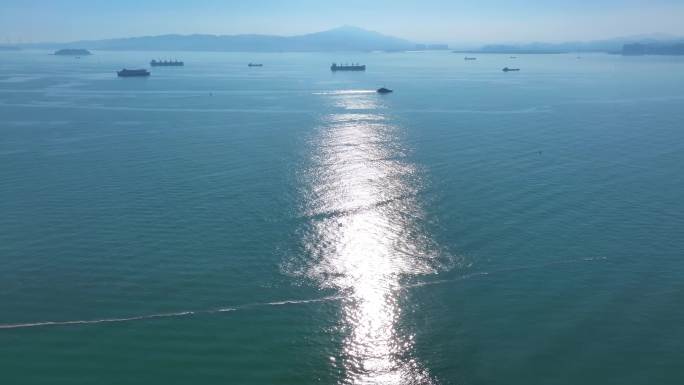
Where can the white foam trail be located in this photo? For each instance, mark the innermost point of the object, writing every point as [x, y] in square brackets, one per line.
[443, 281]
[299, 302]
[508, 270]
[345, 92]
[98, 321]
[277, 303]
[166, 315]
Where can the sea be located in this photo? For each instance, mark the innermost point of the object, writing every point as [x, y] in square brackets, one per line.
[285, 224]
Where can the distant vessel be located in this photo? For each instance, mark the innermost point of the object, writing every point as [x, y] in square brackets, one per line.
[166, 63]
[506, 69]
[255, 65]
[72, 52]
[347, 67]
[384, 90]
[469, 58]
[126, 73]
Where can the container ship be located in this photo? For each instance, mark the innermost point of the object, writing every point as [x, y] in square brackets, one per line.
[166, 63]
[347, 67]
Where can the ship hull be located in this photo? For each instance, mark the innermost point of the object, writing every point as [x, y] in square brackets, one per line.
[348, 69]
[355, 68]
[132, 73]
[174, 64]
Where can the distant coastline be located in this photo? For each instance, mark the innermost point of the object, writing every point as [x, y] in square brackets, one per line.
[630, 49]
[639, 49]
[510, 51]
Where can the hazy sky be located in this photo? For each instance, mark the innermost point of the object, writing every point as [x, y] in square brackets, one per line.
[424, 20]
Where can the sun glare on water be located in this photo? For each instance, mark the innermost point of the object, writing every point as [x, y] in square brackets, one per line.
[364, 235]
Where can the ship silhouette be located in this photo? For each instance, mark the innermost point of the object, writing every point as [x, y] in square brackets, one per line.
[126, 73]
[347, 67]
[166, 63]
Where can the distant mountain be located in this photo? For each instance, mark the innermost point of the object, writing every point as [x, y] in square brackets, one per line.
[339, 39]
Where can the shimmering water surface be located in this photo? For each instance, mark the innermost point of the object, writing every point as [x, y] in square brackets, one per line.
[219, 224]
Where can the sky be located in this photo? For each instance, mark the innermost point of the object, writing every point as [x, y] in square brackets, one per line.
[432, 21]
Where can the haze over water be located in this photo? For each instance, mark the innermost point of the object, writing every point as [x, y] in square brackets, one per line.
[223, 224]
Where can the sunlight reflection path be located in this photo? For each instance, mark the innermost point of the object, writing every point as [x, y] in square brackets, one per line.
[364, 235]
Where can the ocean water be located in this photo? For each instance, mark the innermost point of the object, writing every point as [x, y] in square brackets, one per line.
[219, 224]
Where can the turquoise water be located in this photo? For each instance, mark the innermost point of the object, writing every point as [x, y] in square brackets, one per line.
[218, 224]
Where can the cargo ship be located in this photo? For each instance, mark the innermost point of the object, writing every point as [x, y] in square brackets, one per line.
[166, 63]
[126, 73]
[72, 52]
[347, 67]
[506, 69]
[255, 65]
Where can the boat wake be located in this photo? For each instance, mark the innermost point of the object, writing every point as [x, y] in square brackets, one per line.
[188, 313]
[105, 320]
[345, 92]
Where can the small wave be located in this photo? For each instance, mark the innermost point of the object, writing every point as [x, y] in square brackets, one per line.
[61, 105]
[328, 214]
[18, 79]
[656, 99]
[530, 110]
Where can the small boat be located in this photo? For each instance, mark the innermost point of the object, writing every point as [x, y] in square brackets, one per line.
[506, 69]
[255, 65]
[126, 73]
[384, 90]
[469, 58]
